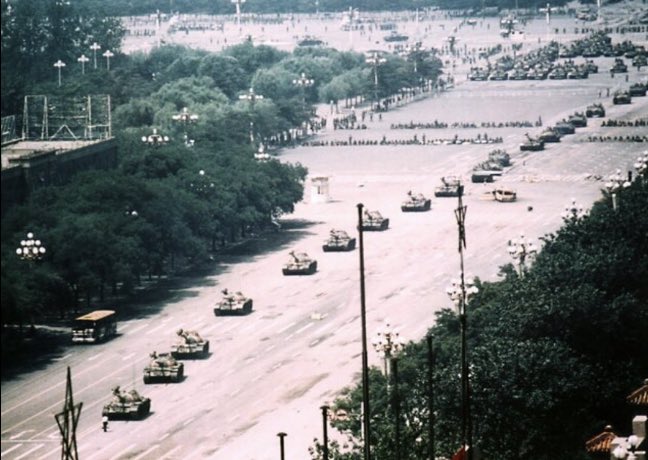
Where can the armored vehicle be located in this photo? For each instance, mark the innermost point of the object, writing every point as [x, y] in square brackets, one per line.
[638, 90]
[532, 144]
[163, 367]
[395, 37]
[189, 344]
[517, 74]
[549, 135]
[451, 186]
[498, 74]
[579, 120]
[481, 176]
[477, 74]
[126, 406]
[233, 304]
[595, 110]
[500, 157]
[565, 127]
[591, 67]
[373, 221]
[339, 240]
[299, 264]
[619, 66]
[558, 74]
[621, 97]
[415, 202]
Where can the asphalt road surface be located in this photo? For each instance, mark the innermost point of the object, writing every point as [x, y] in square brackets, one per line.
[272, 370]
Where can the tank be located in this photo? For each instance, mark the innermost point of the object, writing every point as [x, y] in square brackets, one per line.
[500, 157]
[450, 186]
[549, 135]
[621, 97]
[619, 66]
[299, 264]
[339, 240]
[163, 367]
[565, 127]
[595, 110]
[373, 221]
[531, 144]
[578, 120]
[233, 304]
[189, 344]
[479, 177]
[638, 90]
[126, 405]
[416, 202]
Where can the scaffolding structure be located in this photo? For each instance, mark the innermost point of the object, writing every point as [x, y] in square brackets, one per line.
[66, 118]
[8, 129]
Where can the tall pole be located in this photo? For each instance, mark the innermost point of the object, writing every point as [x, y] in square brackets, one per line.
[67, 422]
[466, 431]
[396, 402]
[325, 452]
[430, 347]
[282, 452]
[365, 365]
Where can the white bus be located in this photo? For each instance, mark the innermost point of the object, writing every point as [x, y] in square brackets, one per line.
[94, 327]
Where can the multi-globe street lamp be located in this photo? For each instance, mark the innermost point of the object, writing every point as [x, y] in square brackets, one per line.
[573, 211]
[155, 139]
[251, 97]
[302, 83]
[641, 165]
[83, 59]
[615, 183]
[95, 47]
[186, 118]
[59, 65]
[238, 4]
[375, 59]
[108, 54]
[521, 250]
[627, 450]
[31, 249]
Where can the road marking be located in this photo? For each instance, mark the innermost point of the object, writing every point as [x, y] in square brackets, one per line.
[287, 327]
[10, 449]
[62, 357]
[123, 452]
[92, 358]
[168, 454]
[235, 392]
[325, 327]
[128, 356]
[17, 435]
[146, 452]
[29, 451]
[138, 328]
[166, 435]
[304, 328]
[188, 421]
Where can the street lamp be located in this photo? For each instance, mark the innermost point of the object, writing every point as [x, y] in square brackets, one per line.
[387, 343]
[261, 154]
[521, 250]
[375, 59]
[573, 211]
[641, 165]
[95, 47]
[83, 59]
[627, 451]
[616, 182]
[108, 54]
[59, 64]
[251, 96]
[325, 453]
[155, 139]
[31, 249]
[282, 435]
[302, 82]
[238, 4]
[186, 118]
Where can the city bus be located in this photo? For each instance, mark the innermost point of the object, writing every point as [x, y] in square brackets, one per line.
[94, 327]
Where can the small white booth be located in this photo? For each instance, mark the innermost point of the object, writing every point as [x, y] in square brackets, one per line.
[320, 190]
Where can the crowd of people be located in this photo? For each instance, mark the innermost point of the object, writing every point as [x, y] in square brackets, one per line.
[636, 138]
[436, 124]
[639, 122]
[414, 140]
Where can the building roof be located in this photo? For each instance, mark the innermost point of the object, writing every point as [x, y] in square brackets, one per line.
[639, 397]
[602, 442]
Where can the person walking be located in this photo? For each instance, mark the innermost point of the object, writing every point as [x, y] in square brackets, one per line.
[104, 423]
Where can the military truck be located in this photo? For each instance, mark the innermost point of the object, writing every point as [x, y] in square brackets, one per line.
[339, 241]
[163, 367]
[416, 202]
[373, 221]
[595, 110]
[126, 405]
[450, 186]
[233, 304]
[299, 264]
[189, 344]
[532, 144]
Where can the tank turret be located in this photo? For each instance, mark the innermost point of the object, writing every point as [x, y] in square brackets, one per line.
[339, 240]
[126, 405]
[189, 344]
[416, 202]
[373, 221]
[299, 264]
[233, 303]
[163, 367]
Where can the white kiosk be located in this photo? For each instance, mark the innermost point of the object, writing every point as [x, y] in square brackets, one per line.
[320, 189]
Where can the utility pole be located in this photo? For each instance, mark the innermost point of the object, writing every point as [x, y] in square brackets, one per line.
[67, 422]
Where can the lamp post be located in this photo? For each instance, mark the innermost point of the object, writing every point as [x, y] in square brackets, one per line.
[108, 54]
[325, 453]
[366, 425]
[573, 211]
[83, 59]
[521, 250]
[282, 451]
[302, 83]
[59, 65]
[430, 349]
[238, 4]
[641, 165]
[251, 97]
[375, 60]
[186, 118]
[155, 139]
[31, 249]
[615, 183]
[459, 293]
[95, 47]
[627, 451]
